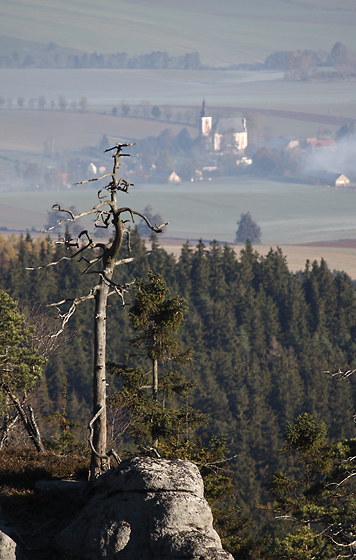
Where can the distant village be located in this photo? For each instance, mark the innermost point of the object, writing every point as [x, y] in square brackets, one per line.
[222, 148]
[217, 147]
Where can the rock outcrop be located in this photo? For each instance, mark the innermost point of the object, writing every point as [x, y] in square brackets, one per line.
[9, 549]
[146, 509]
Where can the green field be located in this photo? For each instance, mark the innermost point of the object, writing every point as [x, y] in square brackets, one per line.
[287, 213]
[223, 33]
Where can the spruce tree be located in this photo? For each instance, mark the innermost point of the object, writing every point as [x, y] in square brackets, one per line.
[155, 319]
[20, 370]
[318, 499]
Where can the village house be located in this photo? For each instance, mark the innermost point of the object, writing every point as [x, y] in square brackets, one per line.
[317, 144]
[174, 178]
[332, 179]
[342, 181]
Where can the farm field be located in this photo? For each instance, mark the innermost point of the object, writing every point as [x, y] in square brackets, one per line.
[107, 88]
[287, 213]
[26, 131]
[250, 30]
[338, 256]
[294, 217]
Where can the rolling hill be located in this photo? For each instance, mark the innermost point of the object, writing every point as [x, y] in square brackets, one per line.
[223, 33]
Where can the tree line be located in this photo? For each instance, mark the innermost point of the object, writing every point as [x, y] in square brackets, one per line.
[298, 64]
[340, 62]
[56, 57]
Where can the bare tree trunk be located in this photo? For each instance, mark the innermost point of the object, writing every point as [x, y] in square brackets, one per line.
[8, 424]
[107, 213]
[155, 380]
[99, 460]
[155, 392]
[29, 422]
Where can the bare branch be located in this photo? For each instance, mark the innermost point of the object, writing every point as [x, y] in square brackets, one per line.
[74, 218]
[340, 374]
[90, 244]
[124, 261]
[102, 261]
[54, 263]
[119, 147]
[338, 484]
[155, 228]
[95, 179]
[66, 316]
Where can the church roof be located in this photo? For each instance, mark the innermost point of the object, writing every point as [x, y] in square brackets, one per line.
[224, 125]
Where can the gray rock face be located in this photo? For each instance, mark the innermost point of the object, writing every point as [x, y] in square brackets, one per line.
[9, 549]
[147, 509]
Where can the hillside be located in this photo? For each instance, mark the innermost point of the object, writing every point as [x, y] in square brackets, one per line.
[261, 340]
[250, 31]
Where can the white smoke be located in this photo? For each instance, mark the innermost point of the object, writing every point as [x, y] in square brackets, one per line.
[339, 158]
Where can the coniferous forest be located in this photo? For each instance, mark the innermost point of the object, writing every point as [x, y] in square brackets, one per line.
[262, 339]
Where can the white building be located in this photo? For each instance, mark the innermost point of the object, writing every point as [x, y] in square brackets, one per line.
[235, 126]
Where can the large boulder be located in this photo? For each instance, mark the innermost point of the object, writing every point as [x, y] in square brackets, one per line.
[9, 549]
[146, 509]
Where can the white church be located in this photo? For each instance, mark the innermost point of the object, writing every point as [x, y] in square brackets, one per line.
[213, 135]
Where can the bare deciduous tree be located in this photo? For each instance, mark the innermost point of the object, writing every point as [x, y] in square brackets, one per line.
[100, 259]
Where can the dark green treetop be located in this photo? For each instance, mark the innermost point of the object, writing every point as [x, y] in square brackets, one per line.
[21, 365]
[318, 501]
[247, 229]
[20, 368]
[155, 318]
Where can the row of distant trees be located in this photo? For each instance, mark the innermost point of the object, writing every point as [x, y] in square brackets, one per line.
[41, 103]
[339, 62]
[146, 110]
[56, 57]
[143, 109]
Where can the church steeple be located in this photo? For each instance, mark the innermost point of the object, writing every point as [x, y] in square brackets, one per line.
[205, 123]
[203, 110]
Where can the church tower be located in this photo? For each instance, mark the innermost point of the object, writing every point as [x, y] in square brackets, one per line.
[205, 123]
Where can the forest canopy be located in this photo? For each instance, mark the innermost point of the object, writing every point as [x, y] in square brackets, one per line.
[261, 336]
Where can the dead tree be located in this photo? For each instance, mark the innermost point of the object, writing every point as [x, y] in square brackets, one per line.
[100, 259]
